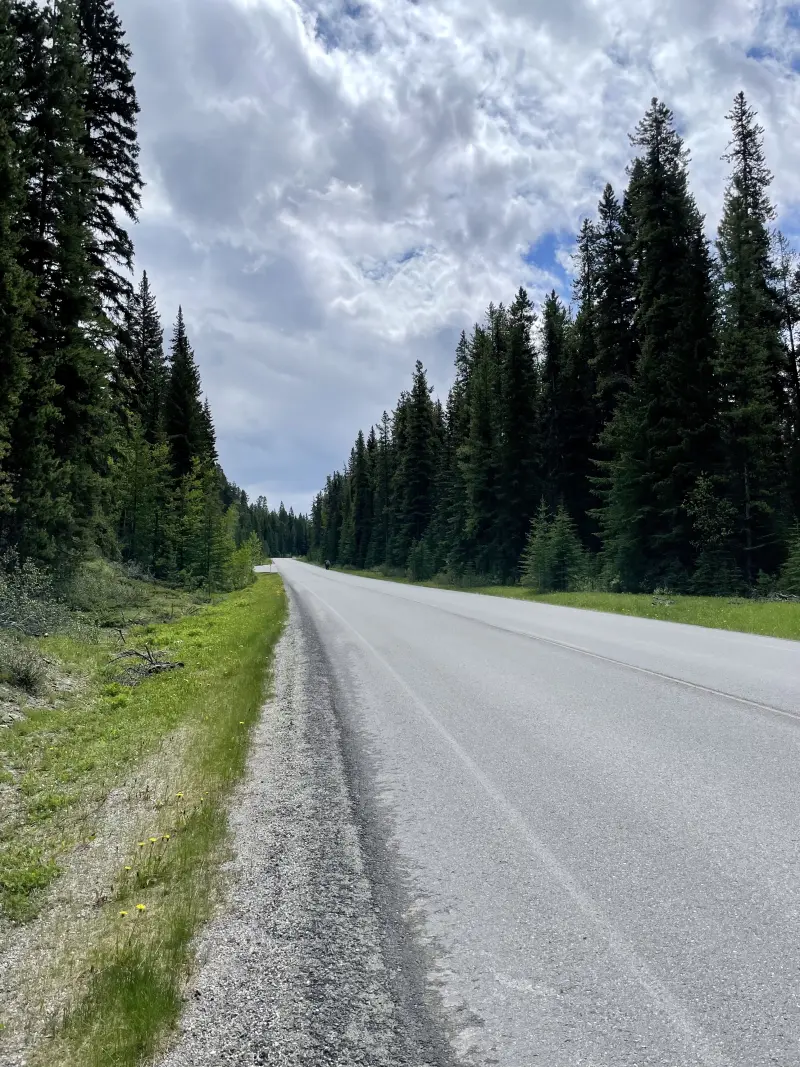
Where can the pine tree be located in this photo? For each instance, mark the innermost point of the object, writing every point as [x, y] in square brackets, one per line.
[381, 494]
[480, 455]
[416, 466]
[535, 563]
[109, 143]
[362, 502]
[555, 342]
[581, 417]
[518, 482]
[614, 284]
[140, 370]
[16, 290]
[663, 433]
[790, 574]
[566, 557]
[184, 421]
[208, 434]
[61, 432]
[750, 362]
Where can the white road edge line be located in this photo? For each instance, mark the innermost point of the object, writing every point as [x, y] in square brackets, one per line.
[672, 1007]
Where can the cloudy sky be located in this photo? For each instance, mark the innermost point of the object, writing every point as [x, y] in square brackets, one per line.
[335, 188]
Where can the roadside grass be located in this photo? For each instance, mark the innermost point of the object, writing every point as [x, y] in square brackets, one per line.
[65, 761]
[767, 618]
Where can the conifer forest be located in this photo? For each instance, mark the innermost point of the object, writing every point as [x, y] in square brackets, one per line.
[107, 445]
[645, 436]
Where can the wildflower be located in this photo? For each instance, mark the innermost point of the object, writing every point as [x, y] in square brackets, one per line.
[141, 907]
[165, 837]
[127, 868]
[141, 844]
[179, 796]
[241, 722]
[153, 840]
[123, 914]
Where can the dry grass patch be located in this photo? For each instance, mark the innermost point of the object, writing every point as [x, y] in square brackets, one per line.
[151, 844]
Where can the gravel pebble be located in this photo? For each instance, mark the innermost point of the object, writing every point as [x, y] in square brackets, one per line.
[305, 963]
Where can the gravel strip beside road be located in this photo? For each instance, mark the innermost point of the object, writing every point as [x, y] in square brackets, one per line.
[305, 964]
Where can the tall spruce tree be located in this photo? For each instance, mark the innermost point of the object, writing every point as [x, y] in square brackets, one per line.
[663, 435]
[555, 342]
[614, 283]
[184, 420]
[110, 144]
[59, 449]
[362, 501]
[480, 455]
[140, 371]
[416, 466]
[582, 418]
[16, 290]
[518, 395]
[751, 356]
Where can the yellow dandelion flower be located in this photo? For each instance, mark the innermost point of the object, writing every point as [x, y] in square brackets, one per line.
[179, 796]
[123, 914]
[153, 840]
[141, 844]
[165, 837]
[127, 868]
[141, 907]
[241, 722]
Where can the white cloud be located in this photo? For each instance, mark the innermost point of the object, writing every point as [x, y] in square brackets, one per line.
[336, 190]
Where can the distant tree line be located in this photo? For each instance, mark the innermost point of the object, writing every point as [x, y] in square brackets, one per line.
[106, 443]
[646, 436]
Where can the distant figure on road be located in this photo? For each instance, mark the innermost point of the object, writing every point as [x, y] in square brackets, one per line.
[327, 564]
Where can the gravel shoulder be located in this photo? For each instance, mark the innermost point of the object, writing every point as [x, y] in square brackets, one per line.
[316, 956]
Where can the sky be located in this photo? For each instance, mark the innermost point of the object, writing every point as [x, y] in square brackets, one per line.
[337, 189]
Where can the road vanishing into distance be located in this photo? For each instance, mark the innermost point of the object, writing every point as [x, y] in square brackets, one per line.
[583, 828]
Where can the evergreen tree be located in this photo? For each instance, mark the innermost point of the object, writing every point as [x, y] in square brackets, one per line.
[535, 562]
[60, 436]
[16, 291]
[361, 500]
[109, 143]
[581, 415]
[566, 557]
[184, 420]
[518, 481]
[416, 466]
[208, 437]
[790, 574]
[750, 349]
[555, 344]
[140, 372]
[663, 434]
[381, 494]
[614, 282]
[480, 455]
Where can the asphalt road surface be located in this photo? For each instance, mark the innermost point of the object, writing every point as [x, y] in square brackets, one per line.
[593, 820]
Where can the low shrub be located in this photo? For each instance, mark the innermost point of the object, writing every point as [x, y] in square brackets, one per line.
[22, 666]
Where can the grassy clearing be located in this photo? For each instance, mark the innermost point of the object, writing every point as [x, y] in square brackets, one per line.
[770, 619]
[65, 761]
[67, 749]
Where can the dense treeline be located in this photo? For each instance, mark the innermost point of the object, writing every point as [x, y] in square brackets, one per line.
[105, 440]
[648, 435]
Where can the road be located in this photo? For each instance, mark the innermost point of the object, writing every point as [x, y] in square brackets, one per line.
[594, 820]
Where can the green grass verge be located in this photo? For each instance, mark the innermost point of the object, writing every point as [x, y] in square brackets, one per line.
[130, 993]
[770, 619]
